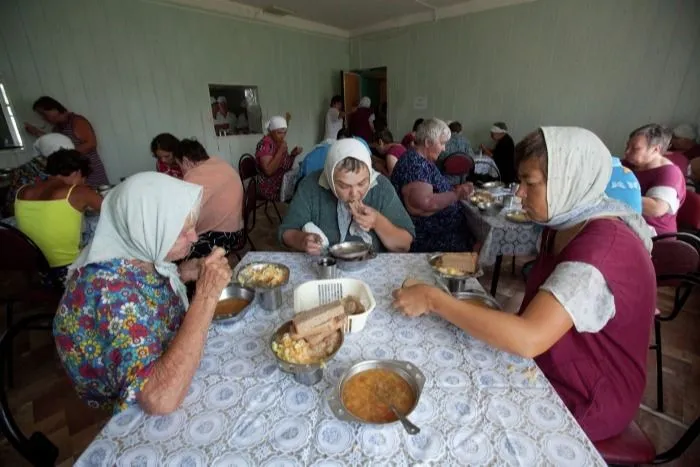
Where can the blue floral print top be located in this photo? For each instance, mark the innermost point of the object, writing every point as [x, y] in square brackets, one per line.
[114, 321]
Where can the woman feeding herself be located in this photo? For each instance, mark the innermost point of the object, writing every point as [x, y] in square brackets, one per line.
[347, 200]
[591, 295]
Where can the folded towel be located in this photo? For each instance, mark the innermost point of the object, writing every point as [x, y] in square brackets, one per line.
[310, 227]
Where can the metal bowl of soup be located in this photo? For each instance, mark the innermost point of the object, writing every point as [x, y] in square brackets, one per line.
[354, 398]
[234, 304]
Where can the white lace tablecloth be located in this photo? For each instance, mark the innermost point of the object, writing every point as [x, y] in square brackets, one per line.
[485, 165]
[479, 406]
[89, 226]
[500, 236]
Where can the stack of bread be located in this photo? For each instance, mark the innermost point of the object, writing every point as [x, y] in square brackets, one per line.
[458, 264]
[319, 326]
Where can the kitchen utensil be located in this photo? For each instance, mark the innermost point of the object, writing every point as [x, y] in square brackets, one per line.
[385, 397]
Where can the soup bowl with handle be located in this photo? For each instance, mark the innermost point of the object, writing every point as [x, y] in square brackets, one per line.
[406, 370]
[234, 290]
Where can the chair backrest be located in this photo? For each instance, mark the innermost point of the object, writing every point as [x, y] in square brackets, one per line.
[18, 252]
[247, 167]
[689, 212]
[675, 256]
[458, 164]
[249, 202]
[679, 159]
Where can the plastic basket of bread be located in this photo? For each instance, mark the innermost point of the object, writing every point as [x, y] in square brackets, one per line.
[352, 296]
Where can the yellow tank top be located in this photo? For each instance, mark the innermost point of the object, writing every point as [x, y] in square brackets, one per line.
[54, 225]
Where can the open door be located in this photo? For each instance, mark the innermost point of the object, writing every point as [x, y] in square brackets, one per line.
[351, 83]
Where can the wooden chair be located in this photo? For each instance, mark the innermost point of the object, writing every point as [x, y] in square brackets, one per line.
[248, 170]
[249, 205]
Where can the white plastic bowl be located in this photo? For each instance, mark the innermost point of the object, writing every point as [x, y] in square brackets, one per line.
[316, 293]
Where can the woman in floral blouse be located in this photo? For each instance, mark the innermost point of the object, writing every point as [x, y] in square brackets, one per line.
[274, 159]
[121, 329]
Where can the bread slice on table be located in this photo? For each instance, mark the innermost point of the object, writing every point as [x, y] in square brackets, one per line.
[307, 321]
[466, 262]
[329, 329]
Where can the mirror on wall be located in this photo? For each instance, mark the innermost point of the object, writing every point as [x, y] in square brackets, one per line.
[235, 109]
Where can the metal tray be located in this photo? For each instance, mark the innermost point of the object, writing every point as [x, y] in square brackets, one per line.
[349, 250]
[407, 370]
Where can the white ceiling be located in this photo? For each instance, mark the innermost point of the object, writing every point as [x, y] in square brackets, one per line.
[352, 14]
[345, 18]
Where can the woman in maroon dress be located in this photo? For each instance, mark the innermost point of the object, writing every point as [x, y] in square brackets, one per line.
[591, 295]
[77, 128]
[361, 121]
[661, 181]
[274, 159]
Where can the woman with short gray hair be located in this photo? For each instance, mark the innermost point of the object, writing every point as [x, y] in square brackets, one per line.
[661, 181]
[429, 198]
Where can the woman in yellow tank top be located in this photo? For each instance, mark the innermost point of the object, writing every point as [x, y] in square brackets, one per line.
[50, 212]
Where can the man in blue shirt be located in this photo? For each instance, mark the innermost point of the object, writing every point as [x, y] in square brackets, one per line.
[623, 186]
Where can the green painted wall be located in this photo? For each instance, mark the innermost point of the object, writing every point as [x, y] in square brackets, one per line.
[608, 65]
[136, 68]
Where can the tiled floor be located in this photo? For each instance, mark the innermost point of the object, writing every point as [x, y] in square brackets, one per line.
[43, 400]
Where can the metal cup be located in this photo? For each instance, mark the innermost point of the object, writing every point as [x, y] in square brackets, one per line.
[327, 268]
[271, 299]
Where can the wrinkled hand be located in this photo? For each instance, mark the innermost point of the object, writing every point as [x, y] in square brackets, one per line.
[464, 190]
[413, 301]
[365, 216]
[296, 151]
[283, 147]
[214, 274]
[189, 270]
[312, 244]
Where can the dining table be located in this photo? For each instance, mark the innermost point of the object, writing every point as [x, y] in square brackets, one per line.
[500, 237]
[479, 405]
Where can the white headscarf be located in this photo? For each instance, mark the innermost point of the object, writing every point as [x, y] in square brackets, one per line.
[686, 131]
[140, 219]
[365, 102]
[51, 142]
[339, 150]
[276, 123]
[579, 166]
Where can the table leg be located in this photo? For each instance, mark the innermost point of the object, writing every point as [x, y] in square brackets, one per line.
[496, 274]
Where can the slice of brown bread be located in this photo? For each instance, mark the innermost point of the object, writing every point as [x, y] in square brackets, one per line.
[306, 321]
[316, 339]
[465, 262]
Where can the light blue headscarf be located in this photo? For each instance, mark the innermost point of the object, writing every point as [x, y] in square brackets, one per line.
[578, 170]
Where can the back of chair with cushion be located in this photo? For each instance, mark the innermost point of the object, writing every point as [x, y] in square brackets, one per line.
[458, 164]
[689, 212]
[247, 167]
[676, 259]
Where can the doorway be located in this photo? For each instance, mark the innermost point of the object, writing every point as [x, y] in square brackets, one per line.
[369, 82]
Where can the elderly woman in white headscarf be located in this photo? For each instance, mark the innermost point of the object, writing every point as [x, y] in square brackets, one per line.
[591, 295]
[125, 330]
[361, 121]
[273, 158]
[347, 200]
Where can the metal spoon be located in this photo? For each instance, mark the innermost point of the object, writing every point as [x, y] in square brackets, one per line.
[410, 428]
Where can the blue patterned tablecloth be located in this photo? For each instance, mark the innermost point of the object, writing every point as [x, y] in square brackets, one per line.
[480, 406]
[499, 236]
[89, 225]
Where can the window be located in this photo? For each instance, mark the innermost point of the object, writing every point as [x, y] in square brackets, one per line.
[235, 110]
[10, 137]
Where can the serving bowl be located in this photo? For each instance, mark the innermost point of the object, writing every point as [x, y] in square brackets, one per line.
[490, 208]
[270, 295]
[495, 185]
[234, 290]
[406, 370]
[307, 374]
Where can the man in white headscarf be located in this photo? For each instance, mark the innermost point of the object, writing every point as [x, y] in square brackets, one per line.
[348, 200]
[125, 330]
[591, 295]
[224, 119]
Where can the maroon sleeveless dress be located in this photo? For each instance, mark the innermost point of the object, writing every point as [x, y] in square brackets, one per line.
[358, 124]
[98, 176]
[601, 376]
